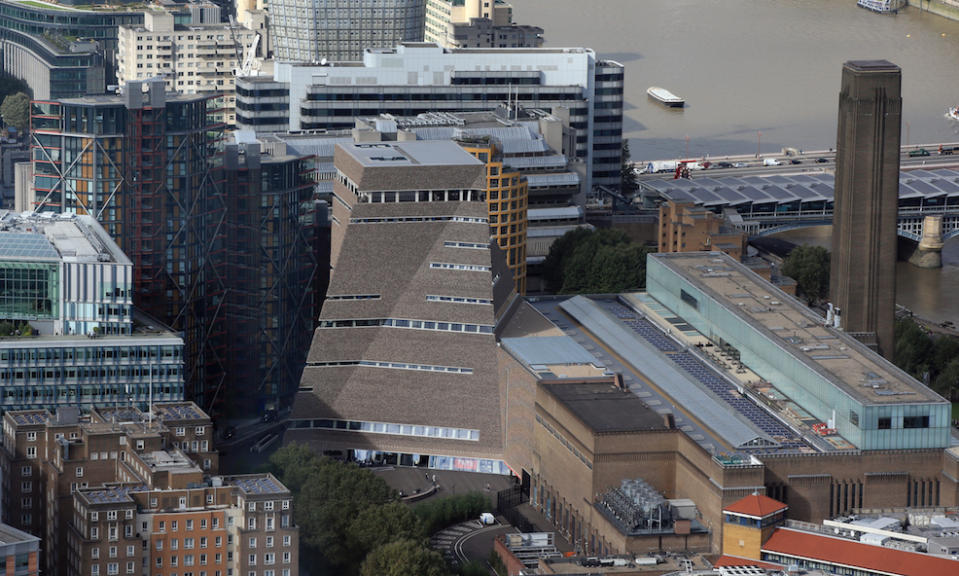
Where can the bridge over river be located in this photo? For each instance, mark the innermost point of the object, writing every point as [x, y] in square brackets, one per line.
[761, 205]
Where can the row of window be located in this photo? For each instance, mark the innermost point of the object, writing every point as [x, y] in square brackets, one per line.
[476, 245]
[453, 266]
[422, 196]
[403, 219]
[403, 323]
[389, 428]
[393, 365]
[353, 297]
[458, 300]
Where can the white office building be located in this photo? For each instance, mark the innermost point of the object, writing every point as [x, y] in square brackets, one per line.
[417, 78]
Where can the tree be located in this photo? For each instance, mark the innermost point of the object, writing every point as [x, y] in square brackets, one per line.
[587, 261]
[379, 525]
[809, 267]
[332, 496]
[293, 464]
[15, 111]
[404, 558]
[946, 382]
[628, 184]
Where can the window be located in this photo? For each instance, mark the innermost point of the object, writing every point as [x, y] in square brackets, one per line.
[269, 541]
[31, 451]
[915, 422]
[80, 474]
[269, 558]
[189, 524]
[252, 559]
[251, 506]
[252, 542]
[31, 436]
[200, 430]
[180, 431]
[131, 551]
[287, 540]
[26, 471]
[111, 514]
[95, 553]
[251, 523]
[268, 505]
[885, 423]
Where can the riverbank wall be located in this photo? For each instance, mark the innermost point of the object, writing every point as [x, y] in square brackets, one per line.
[945, 8]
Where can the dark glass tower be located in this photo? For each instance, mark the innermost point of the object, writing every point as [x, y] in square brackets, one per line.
[863, 269]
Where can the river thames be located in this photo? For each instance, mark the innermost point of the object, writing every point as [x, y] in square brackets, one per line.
[772, 67]
[751, 66]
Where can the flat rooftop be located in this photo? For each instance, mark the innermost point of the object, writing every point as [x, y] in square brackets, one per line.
[32, 236]
[257, 484]
[413, 153]
[606, 408]
[835, 355]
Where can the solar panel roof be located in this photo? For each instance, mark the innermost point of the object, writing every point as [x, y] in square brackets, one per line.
[27, 246]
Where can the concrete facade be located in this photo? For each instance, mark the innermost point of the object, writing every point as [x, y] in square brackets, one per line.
[863, 265]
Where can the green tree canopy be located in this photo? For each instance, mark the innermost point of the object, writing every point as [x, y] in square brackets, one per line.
[379, 525]
[809, 267]
[404, 558]
[628, 183]
[586, 261]
[15, 111]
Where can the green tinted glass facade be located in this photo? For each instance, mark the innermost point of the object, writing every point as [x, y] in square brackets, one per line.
[29, 290]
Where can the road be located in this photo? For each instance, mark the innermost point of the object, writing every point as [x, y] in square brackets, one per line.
[808, 161]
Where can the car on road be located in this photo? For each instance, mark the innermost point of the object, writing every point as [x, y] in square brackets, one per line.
[724, 165]
[795, 161]
[740, 165]
[918, 152]
[822, 160]
[230, 432]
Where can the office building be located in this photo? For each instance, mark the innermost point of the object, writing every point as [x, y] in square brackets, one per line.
[222, 237]
[46, 37]
[476, 24]
[53, 67]
[20, 552]
[685, 227]
[863, 265]
[197, 57]
[413, 79]
[340, 30]
[403, 365]
[70, 334]
[154, 183]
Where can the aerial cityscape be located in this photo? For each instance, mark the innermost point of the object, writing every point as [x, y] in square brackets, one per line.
[479, 287]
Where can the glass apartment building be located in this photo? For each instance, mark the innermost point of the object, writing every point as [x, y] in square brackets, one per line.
[67, 332]
[314, 30]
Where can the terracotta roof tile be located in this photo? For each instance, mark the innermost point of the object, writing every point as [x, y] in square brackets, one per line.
[849, 553]
[756, 505]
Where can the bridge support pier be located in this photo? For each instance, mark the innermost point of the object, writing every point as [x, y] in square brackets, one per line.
[929, 252]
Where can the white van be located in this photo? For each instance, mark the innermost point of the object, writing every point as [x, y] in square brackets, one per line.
[771, 162]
